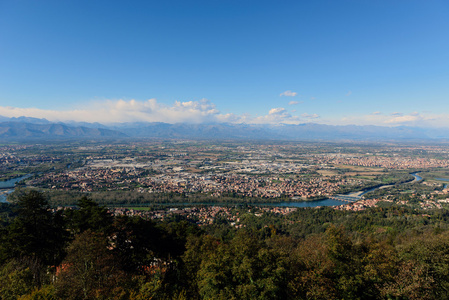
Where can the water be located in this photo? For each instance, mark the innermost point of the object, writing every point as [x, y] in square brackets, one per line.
[11, 182]
[325, 202]
[375, 188]
[7, 187]
[442, 179]
[4, 194]
[417, 177]
[330, 202]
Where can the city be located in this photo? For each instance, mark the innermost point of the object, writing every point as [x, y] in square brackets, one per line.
[214, 172]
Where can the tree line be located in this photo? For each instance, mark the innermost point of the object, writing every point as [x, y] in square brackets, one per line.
[319, 253]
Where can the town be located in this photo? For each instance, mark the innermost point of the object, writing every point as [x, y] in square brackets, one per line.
[263, 172]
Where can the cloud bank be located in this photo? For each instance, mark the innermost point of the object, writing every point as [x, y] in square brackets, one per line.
[151, 110]
[310, 116]
[204, 111]
[413, 119]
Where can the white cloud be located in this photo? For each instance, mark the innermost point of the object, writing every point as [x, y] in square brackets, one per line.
[276, 116]
[349, 93]
[310, 116]
[293, 102]
[403, 120]
[288, 94]
[204, 111]
[111, 111]
[395, 119]
[276, 111]
[119, 111]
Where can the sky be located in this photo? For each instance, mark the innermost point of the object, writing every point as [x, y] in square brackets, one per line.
[362, 62]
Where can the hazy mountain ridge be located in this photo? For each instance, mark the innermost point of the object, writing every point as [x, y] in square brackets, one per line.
[20, 130]
[24, 128]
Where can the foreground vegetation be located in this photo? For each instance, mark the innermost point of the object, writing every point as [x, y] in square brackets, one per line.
[382, 253]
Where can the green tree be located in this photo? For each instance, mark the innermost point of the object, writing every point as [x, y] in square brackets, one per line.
[311, 271]
[423, 269]
[136, 242]
[36, 236]
[89, 216]
[90, 271]
[16, 280]
[243, 269]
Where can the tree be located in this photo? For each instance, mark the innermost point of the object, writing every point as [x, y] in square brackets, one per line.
[136, 242]
[89, 216]
[243, 269]
[15, 280]
[36, 236]
[89, 270]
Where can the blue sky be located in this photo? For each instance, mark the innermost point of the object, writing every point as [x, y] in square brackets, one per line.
[332, 62]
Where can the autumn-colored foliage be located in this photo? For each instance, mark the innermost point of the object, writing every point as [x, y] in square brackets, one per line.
[85, 253]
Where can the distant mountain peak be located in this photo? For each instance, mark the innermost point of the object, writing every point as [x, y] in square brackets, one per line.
[24, 127]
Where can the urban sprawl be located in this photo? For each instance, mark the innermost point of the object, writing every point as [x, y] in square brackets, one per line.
[289, 171]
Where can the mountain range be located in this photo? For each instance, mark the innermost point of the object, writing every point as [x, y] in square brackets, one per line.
[25, 128]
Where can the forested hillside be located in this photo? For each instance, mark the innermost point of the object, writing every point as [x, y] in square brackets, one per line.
[86, 253]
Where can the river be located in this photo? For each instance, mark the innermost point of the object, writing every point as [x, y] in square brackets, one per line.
[7, 187]
[331, 202]
[442, 179]
[324, 202]
[361, 193]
